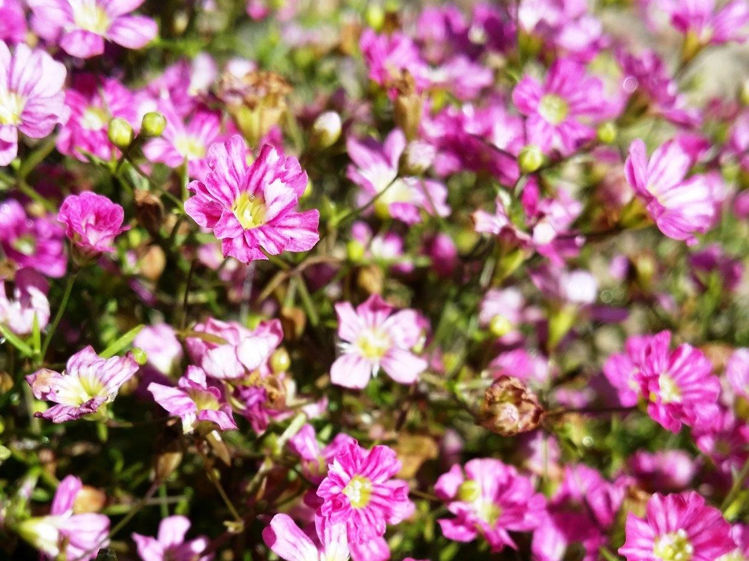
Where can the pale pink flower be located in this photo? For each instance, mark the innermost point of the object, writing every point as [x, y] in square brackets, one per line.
[387, 56]
[373, 337]
[92, 102]
[170, 544]
[161, 346]
[489, 499]
[677, 527]
[13, 28]
[28, 304]
[31, 96]
[62, 534]
[560, 111]
[360, 492]
[711, 26]
[680, 207]
[88, 382]
[252, 208]
[81, 26]
[737, 371]
[194, 401]
[663, 470]
[290, 543]
[92, 222]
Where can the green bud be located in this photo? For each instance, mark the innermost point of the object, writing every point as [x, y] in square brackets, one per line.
[139, 355]
[355, 251]
[607, 132]
[375, 16]
[153, 124]
[120, 133]
[469, 491]
[530, 159]
[744, 96]
[326, 130]
[499, 326]
[280, 361]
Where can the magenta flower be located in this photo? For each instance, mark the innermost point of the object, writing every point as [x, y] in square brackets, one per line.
[388, 55]
[360, 492]
[91, 222]
[287, 541]
[194, 401]
[88, 382]
[677, 527]
[708, 25]
[38, 243]
[29, 301]
[170, 544]
[252, 208]
[13, 28]
[63, 534]
[81, 26]
[556, 110]
[679, 207]
[374, 337]
[31, 96]
[490, 499]
[185, 141]
[375, 170]
[93, 102]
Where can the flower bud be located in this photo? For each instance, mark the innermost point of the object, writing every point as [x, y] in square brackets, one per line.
[744, 95]
[417, 157]
[374, 15]
[120, 133]
[499, 325]
[280, 361]
[149, 211]
[408, 106]
[326, 130]
[140, 356]
[153, 124]
[606, 132]
[509, 407]
[355, 251]
[530, 158]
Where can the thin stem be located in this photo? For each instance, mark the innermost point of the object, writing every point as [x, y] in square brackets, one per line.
[58, 316]
[736, 487]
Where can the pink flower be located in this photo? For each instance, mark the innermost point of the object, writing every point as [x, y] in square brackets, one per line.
[711, 26]
[88, 382]
[91, 222]
[679, 207]
[170, 544]
[31, 96]
[663, 470]
[80, 26]
[29, 302]
[93, 102]
[252, 208]
[194, 401]
[360, 492]
[63, 534]
[185, 141]
[13, 28]
[490, 499]
[740, 535]
[375, 170]
[737, 371]
[161, 345]
[287, 541]
[677, 527]
[373, 338]
[556, 110]
[388, 55]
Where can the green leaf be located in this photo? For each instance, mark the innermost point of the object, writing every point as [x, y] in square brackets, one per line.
[14, 340]
[121, 343]
[36, 335]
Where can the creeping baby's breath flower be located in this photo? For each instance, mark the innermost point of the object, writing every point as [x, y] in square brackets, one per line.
[91, 222]
[290, 543]
[170, 543]
[29, 301]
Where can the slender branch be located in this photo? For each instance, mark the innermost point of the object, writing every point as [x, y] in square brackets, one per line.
[58, 316]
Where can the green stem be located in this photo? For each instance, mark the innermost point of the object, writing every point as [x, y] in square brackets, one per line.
[58, 316]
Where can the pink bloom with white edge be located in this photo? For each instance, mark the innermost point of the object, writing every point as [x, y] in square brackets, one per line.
[489, 499]
[252, 208]
[81, 26]
[360, 492]
[737, 371]
[170, 543]
[194, 401]
[711, 26]
[556, 109]
[29, 301]
[185, 140]
[677, 527]
[92, 102]
[64, 534]
[373, 337]
[290, 543]
[680, 207]
[92, 222]
[88, 382]
[375, 170]
[31, 96]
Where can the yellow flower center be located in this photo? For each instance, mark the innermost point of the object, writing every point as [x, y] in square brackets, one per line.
[553, 109]
[373, 343]
[673, 546]
[670, 392]
[359, 491]
[94, 118]
[189, 147]
[11, 107]
[204, 400]
[77, 390]
[249, 210]
[90, 16]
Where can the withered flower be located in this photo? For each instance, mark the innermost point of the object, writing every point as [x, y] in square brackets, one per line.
[509, 407]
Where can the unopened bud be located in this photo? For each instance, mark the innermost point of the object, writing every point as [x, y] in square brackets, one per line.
[744, 96]
[139, 355]
[355, 251]
[326, 130]
[89, 499]
[509, 407]
[606, 132]
[153, 124]
[408, 106]
[168, 461]
[280, 361]
[530, 158]
[417, 157]
[374, 15]
[120, 133]
[499, 326]
[149, 211]
[293, 321]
